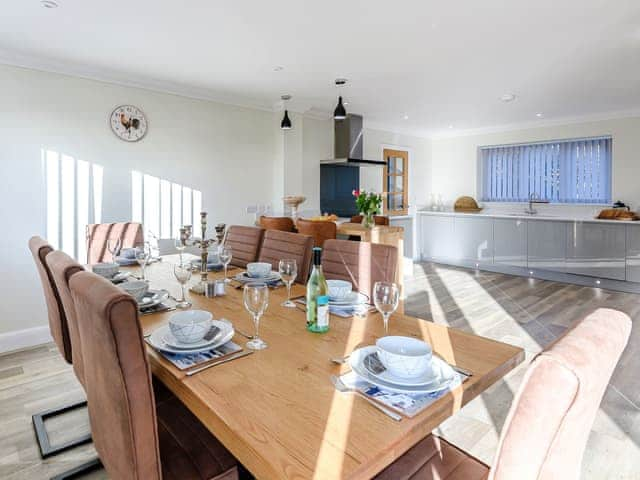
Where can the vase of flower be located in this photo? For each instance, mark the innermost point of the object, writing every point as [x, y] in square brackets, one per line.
[368, 204]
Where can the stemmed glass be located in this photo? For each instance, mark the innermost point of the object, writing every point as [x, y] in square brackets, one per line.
[113, 245]
[225, 255]
[143, 255]
[256, 301]
[385, 298]
[182, 271]
[288, 271]
[179, 246]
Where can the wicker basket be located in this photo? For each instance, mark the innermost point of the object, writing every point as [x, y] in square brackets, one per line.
[617, 214]
[466, 204]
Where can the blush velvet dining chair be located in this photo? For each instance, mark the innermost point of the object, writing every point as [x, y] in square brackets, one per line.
[136, 436]
[546, 430]
[129, 233]
[244, 243]
[361, 263]
[59, 328]
[280, 245]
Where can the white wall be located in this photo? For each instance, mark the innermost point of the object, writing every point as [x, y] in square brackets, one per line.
[229, 153]
[454, 160]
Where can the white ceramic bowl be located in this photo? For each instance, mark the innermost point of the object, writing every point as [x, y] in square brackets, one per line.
[258, 269]
[339, 289]
[106, 270]
[135, 288]
[190, 326]
[404, 357]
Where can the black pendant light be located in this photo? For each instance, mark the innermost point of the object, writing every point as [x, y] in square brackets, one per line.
[285, 124]
[340, 113]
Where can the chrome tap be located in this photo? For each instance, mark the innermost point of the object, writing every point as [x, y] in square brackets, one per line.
[533, 198]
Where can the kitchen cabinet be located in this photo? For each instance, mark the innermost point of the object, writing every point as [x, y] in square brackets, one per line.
[473, 240]
[633, 253]
[407, 224]
[596, 250]
[546, 245]
[510, 242]
[436, 237]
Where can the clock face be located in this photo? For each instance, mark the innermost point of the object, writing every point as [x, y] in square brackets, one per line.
[129, 123]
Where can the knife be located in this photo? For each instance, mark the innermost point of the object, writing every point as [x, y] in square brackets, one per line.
[219, 362]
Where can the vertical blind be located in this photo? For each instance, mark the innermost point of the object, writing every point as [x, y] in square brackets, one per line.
[561, 171]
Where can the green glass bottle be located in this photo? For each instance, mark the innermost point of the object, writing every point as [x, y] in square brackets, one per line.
[317, 297]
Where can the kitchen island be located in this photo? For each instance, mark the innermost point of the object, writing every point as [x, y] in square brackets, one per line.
[574, 249]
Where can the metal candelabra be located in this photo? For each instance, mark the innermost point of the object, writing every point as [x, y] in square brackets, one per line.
[204, 243]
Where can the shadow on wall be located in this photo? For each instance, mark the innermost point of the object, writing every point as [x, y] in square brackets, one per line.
[74, 199]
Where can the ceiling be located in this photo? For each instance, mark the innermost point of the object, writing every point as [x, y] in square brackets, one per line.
[442, 64]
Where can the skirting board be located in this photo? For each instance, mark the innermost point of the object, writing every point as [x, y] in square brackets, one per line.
[20, 339]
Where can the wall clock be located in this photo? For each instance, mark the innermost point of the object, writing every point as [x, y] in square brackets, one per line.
[128, 123]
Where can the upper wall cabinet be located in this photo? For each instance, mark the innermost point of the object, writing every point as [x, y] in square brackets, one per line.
[596, 249]
[510, 241]
[547, 242]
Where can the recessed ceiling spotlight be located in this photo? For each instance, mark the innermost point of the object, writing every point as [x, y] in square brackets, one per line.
[49, 4]
[508, 97]
[345, 103]
[277, 68]
[539, 114]
[406, 117]
[450, 126]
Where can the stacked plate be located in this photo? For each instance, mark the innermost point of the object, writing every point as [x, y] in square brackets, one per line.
[366, 363]
[244, 277]
[151, 298]
[162, 339]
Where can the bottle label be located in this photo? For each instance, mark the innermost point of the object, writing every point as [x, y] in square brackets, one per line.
[323, 312]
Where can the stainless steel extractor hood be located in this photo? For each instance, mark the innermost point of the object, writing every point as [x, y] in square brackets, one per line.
[347, 147]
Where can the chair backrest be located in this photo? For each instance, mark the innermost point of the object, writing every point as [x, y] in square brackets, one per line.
[130, 234]
[361, 263]
[547, 428]
[377, 219]
[117, 379]
[62, 267]
[244, 243]
[280, 245]
[320, 231]
[284, 224]
[55, 311]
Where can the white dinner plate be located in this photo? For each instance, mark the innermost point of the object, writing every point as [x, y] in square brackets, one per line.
[125, 261]
[245, 278]
[386, 376]
[152, 298]
[156, 340]
[352, 298]
[443, 376]
[173, 342]
[120, 277]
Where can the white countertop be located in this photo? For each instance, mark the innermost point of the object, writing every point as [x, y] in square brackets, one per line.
[523, 216]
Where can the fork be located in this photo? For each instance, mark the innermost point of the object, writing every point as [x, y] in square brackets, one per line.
[341, 387]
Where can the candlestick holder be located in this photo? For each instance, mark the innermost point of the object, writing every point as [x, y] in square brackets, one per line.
[186, 237]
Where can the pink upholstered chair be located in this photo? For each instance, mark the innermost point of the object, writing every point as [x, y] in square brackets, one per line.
[548, 425]
[59, 328]
[361, 263]
[136, 437]
[130, 234]
[244, 243]
[278, 245]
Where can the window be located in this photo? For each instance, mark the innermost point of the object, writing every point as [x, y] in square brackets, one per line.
[74, 200]
[562, 171]
[395, 179]
[162, 206]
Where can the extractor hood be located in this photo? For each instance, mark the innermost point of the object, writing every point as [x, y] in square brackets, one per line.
[347, 146]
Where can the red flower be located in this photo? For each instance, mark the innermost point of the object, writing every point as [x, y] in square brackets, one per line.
[356, 193]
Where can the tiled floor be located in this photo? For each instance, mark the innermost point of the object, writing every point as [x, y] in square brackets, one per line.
[526, 312]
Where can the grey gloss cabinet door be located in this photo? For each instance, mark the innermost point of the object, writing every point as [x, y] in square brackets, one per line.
[510, 242]
[473, 240]
[596, 250]
[436, 237]
[407, 224]
[633, 253]
[546, 245]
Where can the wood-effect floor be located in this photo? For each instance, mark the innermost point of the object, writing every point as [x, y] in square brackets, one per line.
[526, 312]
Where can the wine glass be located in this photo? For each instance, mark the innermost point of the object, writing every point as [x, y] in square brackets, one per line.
[288, 271]
[225, 255]
[113, 245]
[180, 246]
[256, 301]
[143, 255]
[182, 271]
[385, 298]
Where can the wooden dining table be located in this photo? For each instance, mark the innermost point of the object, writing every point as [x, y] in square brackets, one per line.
[277, 411]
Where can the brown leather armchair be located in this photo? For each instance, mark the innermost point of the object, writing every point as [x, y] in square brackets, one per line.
[320, 231]
[377, 219]
[284, 224]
